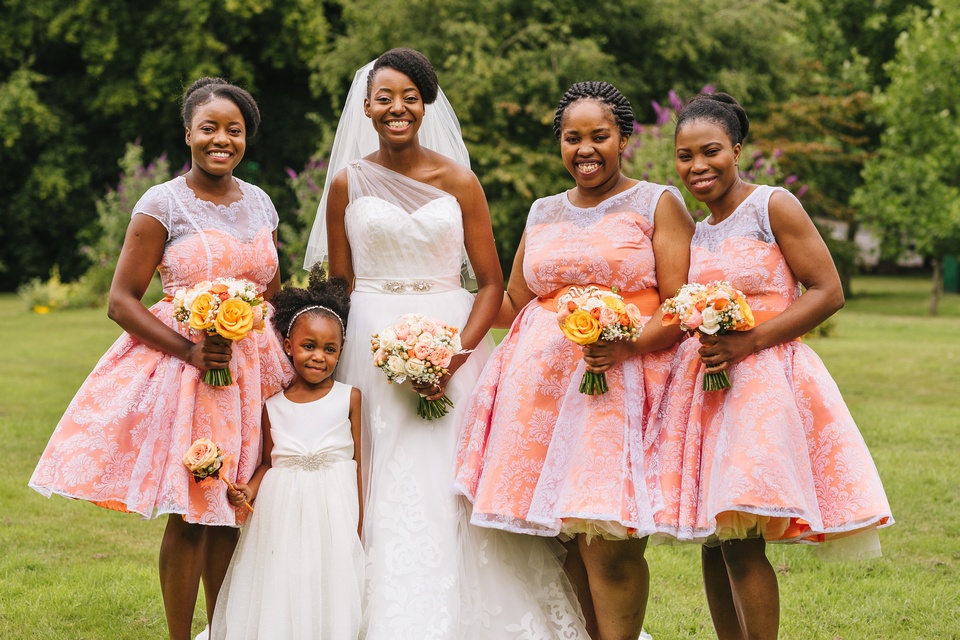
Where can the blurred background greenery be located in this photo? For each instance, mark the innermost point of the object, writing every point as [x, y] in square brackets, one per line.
[853, 105]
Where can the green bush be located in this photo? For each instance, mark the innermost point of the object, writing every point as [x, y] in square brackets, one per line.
[102, 241]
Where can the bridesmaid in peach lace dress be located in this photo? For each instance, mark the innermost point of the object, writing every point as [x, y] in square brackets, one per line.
[121, 440]
[537, 456]
[777, 457]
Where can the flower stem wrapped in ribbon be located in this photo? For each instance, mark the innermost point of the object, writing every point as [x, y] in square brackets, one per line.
[418, 348]
[709, 309]
[589, 314]
[204, 459]
[227, 307]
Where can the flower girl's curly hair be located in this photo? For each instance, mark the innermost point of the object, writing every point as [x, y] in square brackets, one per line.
[322, 296]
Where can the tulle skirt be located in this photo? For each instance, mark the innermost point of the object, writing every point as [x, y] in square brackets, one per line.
[298, 568]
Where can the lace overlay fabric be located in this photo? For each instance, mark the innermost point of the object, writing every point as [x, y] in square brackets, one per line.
[778, 454]
[120, 442]
[537, 456]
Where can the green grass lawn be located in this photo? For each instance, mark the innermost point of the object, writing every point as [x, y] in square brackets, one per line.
[71, 570]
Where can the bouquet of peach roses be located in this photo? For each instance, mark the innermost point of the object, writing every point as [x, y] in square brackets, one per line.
[205, 460]
[228, 307]
[589, 314]
[709, 309]
[418, 348]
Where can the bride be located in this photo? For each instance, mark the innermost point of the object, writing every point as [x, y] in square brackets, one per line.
[403, 215]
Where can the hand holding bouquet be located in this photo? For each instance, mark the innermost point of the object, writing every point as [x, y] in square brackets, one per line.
[418, 348]
[709, 309]
[227, 307]
[205, 460]
[589, 314]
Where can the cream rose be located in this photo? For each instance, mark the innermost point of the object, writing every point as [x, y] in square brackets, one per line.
[203, 456]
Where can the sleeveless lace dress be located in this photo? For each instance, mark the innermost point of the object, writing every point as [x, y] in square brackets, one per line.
[430, 575]
[121, 440]
[536, 455]
[778, 454]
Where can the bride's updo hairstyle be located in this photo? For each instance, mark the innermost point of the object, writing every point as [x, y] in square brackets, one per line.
[204, 90]
[602, 92]
[412, 64]
[720, 108]
[322, 296]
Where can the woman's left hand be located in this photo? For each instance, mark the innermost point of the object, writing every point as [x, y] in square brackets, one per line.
[602, 355]
[432, 391]
[722, 351]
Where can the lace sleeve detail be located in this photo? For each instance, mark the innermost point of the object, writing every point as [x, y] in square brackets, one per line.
[155, 203]
[271, 218]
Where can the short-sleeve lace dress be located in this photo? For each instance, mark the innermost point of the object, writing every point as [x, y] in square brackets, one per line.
[121, 440]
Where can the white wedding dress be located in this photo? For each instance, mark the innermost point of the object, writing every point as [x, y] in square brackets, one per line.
[430, 575]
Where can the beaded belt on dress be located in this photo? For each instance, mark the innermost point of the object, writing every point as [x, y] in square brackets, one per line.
[310, 462]
[407, 285]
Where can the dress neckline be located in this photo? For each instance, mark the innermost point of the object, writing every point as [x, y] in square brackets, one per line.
[737, 209]
[399, 176]
[608, 202]
[309, 402]
[229, 210]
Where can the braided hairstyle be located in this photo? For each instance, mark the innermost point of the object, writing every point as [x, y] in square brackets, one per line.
[720, 108]
[204, 90]
[602, 92]
[332, 294]
[412, 64]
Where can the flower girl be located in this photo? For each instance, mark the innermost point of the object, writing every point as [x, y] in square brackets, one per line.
[298, 569]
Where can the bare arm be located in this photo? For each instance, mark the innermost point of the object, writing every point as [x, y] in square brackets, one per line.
[518, 294]
[355, 408]
[340, 260]
[809, 259]
[141, 254]
[248, 492]
[673, 230]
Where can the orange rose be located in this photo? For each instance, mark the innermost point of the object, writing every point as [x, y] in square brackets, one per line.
[221, 291]
[581, 327]
[748, 321]
[200, 312]
[202, 456]
[234, 319]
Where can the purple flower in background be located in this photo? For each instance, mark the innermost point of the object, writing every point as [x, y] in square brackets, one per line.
[758, 163]
[777, 153]
[291, 173]
[802, 190]
[770, 171]
[312, 185]
[663, 115]
[675, 101]
[790, 180]
[708, 88]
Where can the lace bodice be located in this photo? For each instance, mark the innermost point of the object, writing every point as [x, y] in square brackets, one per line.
[610, 244]
[742, 250]
[206, 240]
[414, 234]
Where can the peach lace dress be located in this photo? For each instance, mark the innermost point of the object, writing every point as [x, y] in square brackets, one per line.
[121, 440]
[537, 456]
[778, 454]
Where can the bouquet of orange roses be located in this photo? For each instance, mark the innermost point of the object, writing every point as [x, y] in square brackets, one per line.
[205, 460]
[227, 307]
[709, 309]
[418, 348]
[588, 314]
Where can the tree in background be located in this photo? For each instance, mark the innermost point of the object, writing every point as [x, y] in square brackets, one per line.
[79, 80]
[911, 189]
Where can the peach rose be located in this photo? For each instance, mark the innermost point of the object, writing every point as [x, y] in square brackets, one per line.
[441, 357]
[422, 350]
[636, 318]
[608, 317]
[234, 319]
[203, 457]
[581, 327]
[259, 317]
[200, 312]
